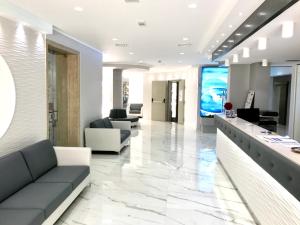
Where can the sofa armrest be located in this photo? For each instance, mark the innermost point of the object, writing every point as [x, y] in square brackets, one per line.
[73, 156]
[123, 125]
[106, 139]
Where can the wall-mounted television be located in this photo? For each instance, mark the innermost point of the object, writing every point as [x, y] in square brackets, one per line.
[213, 86]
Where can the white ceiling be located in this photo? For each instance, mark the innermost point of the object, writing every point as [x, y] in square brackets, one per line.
[168, 21]
[278, 49]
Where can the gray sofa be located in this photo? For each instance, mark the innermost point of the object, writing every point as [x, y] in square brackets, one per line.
[40, 181]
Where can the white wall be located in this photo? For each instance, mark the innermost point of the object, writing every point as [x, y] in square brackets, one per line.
[107, 90]
[25, 53]
[136, 82]
[90, 78]
[190, 76]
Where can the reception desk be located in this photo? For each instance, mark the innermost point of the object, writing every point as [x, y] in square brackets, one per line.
[267, 175]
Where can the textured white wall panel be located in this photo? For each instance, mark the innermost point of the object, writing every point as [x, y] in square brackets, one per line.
[270, 202]
[24, 51]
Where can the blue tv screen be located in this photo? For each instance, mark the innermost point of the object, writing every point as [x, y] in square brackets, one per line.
[213, 90]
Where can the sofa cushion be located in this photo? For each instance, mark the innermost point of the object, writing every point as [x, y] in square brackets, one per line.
[107, 123]
[124, 135]
[40, 158]
[118, 113]
[97, 124]
[131, 119]
[21, 217]
[136, 107]
[65, 174]
[14, 174]
[45, 196]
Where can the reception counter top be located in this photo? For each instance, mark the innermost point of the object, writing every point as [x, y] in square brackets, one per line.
[267, 175]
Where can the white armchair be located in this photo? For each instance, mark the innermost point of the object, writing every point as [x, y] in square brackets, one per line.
[109, 139]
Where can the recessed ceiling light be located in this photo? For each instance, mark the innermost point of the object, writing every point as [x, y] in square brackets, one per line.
[225, 46]
[231, 41]
[181, 53]
[223, 34]
[238, 34]
[262, 13]
[220, 50]
[230, 26]
[185, 38]
[192, 6]
[131, 53]
[248, 25]
[78, 8]
[217, 41]
[115, 39]
[240, 14]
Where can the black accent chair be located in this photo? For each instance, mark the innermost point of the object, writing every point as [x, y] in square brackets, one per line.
[264, 119]
[121, 115]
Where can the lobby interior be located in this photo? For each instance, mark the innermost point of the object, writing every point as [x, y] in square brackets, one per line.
[133, 93]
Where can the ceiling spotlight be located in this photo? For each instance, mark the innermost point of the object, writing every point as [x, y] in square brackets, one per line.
[217, 41]
[78, 8]
[248, 25]
[240, 14]
[287, 29]
[220, 50]
[262, 43]
[185, 38]
[238, 34]
[181, 53]
[264, 63]
[246, 52]
[192, 6]
[262, 13]
[227, 63]
[231, 41]
[235, 58]
[131, 53]
[230, 26]
[223, 34]
[225, 46]
[115, 39]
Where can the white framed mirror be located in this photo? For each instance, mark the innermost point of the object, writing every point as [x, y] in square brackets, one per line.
[7, 96]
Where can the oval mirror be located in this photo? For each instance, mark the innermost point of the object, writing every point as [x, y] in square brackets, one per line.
[7, 96]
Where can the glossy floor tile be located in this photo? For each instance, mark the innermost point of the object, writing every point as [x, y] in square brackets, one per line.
[169, 175]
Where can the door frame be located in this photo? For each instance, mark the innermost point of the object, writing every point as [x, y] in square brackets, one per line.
[73, 87]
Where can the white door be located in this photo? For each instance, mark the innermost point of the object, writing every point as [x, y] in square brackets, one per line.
[159, 100]
[181, 101]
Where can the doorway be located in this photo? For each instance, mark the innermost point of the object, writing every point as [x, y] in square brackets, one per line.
[63, 85]
[176, 102]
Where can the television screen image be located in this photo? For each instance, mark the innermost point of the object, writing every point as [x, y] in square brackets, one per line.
[213, 90]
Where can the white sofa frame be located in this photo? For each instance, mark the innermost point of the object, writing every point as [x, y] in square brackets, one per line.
[107, 139]
[70, 156]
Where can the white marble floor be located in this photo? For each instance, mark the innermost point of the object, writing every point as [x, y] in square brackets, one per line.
[169, 176]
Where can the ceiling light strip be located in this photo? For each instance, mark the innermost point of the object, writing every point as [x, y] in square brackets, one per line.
[265, 13]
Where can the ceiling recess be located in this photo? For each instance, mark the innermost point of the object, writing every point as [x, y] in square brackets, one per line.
[132, 1]
[264, 14]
